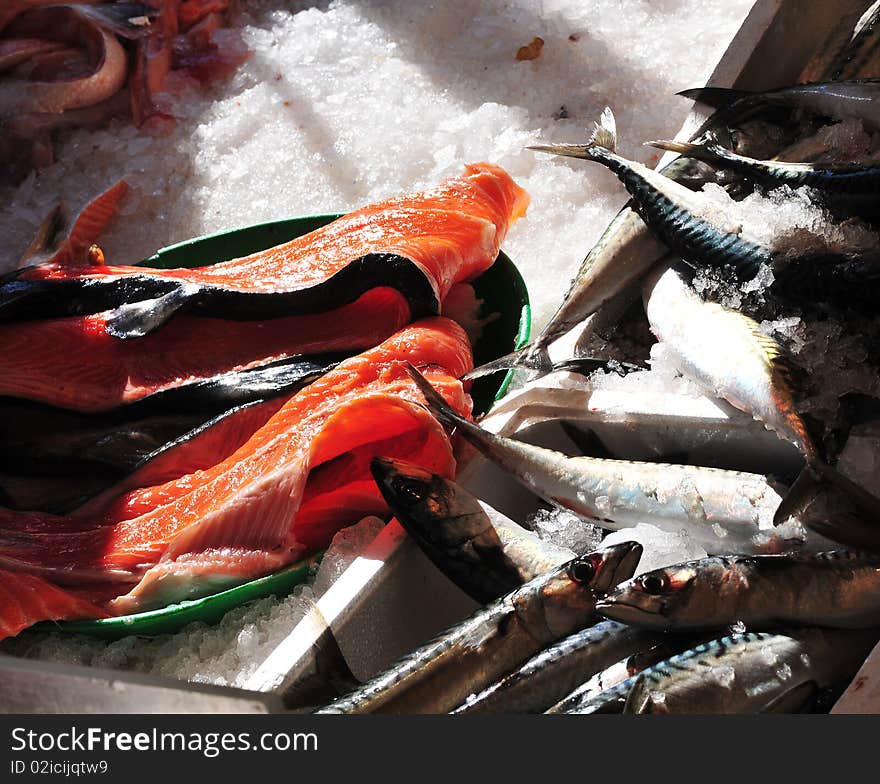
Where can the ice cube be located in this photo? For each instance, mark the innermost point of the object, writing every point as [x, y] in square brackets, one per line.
[659, 548]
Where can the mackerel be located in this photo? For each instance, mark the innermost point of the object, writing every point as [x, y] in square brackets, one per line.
[440, 675]
[724, 352]
[752, 672]
[841, 100]
[664, 647]
[846, 184]
[480, 550]
[557, 670]
[694, 227]
[724, 511]
[838, 589]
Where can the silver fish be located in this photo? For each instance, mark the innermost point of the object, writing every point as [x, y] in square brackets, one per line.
[724, 352]
[838, 589]
[663, 647]
[440, 675]
[840, 100]
[753, 672]
[557, 670]
[694, 228]
[850, 185]
[486, 556]
[724, 511]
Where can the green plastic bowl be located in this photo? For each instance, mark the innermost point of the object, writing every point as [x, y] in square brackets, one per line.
[503, 292]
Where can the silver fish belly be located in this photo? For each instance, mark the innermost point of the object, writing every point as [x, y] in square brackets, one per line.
[442, 673]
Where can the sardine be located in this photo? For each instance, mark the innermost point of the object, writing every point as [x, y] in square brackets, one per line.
[440, 675]
[724, 352]
[557, 670]
[838, 589]
[724, 511]
[840, 100]
[752, 672]
[845, 184]
[485, 556]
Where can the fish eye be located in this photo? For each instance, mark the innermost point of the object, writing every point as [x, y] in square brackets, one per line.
[581, 571]
[654, 584]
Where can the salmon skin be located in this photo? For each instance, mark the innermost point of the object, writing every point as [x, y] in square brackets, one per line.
[419, 244]
[141, 302]
[74, 364]
[39, 441]
[240, 518]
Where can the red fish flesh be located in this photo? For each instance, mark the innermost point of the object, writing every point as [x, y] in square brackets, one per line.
[420, 244]
[240, 519]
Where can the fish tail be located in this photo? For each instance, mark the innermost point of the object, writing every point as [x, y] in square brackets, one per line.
[715, 96]
[530, 357]
[857, 526]
[603, 137]
[436, 404]
[688, 149]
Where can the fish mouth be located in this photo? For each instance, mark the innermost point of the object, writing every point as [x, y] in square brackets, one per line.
[626, 567]
[621, 565]
[617, 610]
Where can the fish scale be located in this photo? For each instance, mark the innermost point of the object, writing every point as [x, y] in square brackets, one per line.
[440, 675]
[749, 672]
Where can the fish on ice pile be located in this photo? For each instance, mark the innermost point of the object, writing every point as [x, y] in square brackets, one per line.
[778, 604]
[80, 64]
[265, 406]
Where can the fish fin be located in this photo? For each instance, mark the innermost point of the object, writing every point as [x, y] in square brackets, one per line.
[641, 699]
[137, 319]
[525, 358]
[799, 495]
[605, 131]
[436, 404]
[715, 96]
[604, 135]
[782, 373]
[585, 439]
[796, 700]
[855, 526]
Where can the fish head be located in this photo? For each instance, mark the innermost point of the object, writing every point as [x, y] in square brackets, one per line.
[432, 505]
[654, 599]
[605, 567]
[574, 587]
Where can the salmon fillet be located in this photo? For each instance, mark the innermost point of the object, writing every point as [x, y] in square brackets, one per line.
[238, 519]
